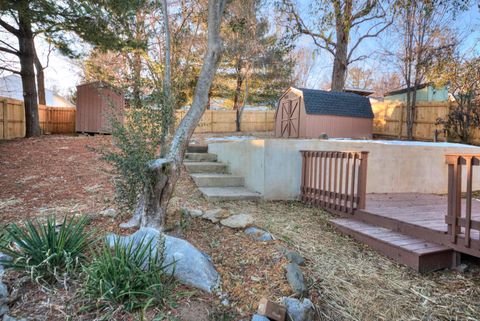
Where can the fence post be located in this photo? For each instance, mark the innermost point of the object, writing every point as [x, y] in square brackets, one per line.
[362, 180]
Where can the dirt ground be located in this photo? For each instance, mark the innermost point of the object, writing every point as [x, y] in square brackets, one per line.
[62, 175]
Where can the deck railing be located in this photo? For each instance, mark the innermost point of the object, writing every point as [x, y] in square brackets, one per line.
[461, 226]
[334, 180]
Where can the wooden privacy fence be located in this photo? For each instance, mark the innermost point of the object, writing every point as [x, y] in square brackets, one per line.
[218, 121]
[53, 120]
[334, 180]
[461, 226]
[390, 118]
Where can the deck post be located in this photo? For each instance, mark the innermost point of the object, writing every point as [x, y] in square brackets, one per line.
[362, 180]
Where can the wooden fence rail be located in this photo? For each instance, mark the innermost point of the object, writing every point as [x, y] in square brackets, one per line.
[461, 226]
[334, 180]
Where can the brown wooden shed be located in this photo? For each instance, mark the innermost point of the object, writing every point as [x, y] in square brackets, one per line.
[309, 113]
[97, 103]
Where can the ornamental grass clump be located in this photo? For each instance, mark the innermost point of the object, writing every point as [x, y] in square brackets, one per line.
[47, 251]
[132, 275]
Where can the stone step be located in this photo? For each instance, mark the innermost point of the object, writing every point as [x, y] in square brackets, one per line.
[414, 252]
[200, 157]
[205, 167]
[228, 194]
[197, 148]
[217, 180]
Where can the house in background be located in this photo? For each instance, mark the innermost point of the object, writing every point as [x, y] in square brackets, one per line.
[425, 93]
[11, 87]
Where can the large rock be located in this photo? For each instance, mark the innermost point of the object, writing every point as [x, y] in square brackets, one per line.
[188, 264]
[109, 212]
[216, 215]
[238, 221]
[295, 279]
[258, 234]
[6, 317]
[258, 317]
[294, 257]
[3, 299]
[192, 212]
[299, 311]
[3, 257]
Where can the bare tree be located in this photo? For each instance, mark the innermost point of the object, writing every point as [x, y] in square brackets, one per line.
[423, 28]
[164, 172]
[333, 26]
[361, 78]
[304, 64]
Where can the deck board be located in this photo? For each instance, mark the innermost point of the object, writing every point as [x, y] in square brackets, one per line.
[424, 210]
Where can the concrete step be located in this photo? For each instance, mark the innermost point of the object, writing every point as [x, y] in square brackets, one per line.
[200, 157]
[205, 167]
[228, 194]
[217, 180]
[197, 148]
[414, 252]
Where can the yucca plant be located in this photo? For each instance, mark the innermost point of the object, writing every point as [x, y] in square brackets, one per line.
[133, 275]
[47, 251]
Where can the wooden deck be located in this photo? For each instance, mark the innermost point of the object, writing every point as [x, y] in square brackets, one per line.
[409, 228]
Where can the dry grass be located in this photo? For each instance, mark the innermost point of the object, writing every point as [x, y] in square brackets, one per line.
[355, 283]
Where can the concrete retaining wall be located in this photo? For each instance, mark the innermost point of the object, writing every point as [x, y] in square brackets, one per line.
[272, 167]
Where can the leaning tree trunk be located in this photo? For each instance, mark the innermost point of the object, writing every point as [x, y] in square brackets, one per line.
[27, 72]
[42, 100]
[236, 100]
[164, 172]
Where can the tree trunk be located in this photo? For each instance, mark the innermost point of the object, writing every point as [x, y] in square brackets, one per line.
[168, 118]
[27, 72]
[340, 61]
[42, 100]
[152, 208]
[236, 100]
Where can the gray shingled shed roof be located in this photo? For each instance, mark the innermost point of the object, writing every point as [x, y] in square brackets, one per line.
[321, 102]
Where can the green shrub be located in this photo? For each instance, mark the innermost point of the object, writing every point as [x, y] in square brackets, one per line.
[135, 143]
[128, 275]
[44, 250]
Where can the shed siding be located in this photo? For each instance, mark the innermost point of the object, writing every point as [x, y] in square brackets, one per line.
[95, 106]
[338, 126]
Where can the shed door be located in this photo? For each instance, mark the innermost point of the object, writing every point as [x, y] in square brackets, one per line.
[290, 118]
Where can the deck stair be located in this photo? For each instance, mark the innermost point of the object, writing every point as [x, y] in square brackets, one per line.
[412, 251]
[213, 178]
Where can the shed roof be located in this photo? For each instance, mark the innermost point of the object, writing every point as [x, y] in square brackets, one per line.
[321, 102]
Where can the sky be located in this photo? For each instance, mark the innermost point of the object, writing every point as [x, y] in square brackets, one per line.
[63, 74]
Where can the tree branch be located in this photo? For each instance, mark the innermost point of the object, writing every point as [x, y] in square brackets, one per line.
[9, 28]
[10, 70]
[13, 52]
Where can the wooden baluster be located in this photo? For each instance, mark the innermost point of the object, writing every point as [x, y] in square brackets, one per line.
[330, 179]
[347, 179]
[335, 177]
[468, 208]
[302, 184]
[325, 177]
[451, 198]
[354, 165]
[322, 175]
[456, 198]
[340, 183]
[314, 178]
[319, 175]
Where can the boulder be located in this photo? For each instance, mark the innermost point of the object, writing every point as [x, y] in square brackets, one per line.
[258, 317]
[189, 265]
[258, 234]
[216, 215]
[6, 317]
[3, 299]
[298, 310]
[109, 212]
[238, 221]
[192, 212]
[294, 257]
[295, 279]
